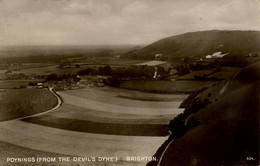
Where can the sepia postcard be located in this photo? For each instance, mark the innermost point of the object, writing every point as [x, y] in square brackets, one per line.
[129, 82]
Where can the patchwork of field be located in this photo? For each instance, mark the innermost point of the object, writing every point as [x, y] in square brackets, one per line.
[100, 110]
[97, 122]
[111, 61]
[47, 68]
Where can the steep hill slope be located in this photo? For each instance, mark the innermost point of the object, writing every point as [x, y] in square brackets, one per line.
[200, 44]
[228, 130]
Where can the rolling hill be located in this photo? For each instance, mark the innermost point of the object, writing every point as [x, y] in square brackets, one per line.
[200, 44]
[228, 129]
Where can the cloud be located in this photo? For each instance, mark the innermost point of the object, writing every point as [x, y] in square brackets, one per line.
[76, 8]
[117, 21]
[135, 9]
[90, 8]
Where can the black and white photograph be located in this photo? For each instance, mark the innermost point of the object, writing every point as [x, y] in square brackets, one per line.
[129, 82]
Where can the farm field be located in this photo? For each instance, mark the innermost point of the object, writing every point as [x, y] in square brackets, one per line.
[2, 74]
[191, 76]
[63, 142]
[226, 73]
[37, 70]
[134, 98]
[166, 86]
[16, 84]
[87, 125]
[48, 68]
[36, 65]
[126, 117]
[111, 61]
[16, 103]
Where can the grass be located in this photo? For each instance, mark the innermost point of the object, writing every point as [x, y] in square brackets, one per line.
[14, 151]
[10, 150]
[38, 70]
[221, 75]
[166, 86]
[191, 75]
[16, 84]
[112, 61]
[228, 133]
[23, 102]
[47, 68]
[227, 72]
[129, 98]
[145, 99]
[88, 118]
[101, 128]
[225, 136]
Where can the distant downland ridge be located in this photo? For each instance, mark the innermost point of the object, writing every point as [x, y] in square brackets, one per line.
[200, 44]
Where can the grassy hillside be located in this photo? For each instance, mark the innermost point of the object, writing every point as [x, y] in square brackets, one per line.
[16, 103]
[200, 44]
[226, 130]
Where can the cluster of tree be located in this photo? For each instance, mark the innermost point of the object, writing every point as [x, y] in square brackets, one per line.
[103, 71]
[126, 72]
[180, 124]
[235, 61]
[66, 77]
[182, 70]
[111, 81]
[134, 72]
[32, 83]
[187, 68]
[206, 66]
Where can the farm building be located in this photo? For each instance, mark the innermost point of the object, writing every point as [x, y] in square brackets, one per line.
[158, 56]
[216, 55]
[208, 56]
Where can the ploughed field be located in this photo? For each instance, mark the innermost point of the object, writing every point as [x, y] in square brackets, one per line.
[95, 122]
[105, 111]
[16, 103]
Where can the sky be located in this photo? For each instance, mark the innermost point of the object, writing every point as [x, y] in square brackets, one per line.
[118, 22]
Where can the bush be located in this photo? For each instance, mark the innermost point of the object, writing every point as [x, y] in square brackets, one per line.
[177, 126]
[192, 122]
[84, 72]
[114, 82]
